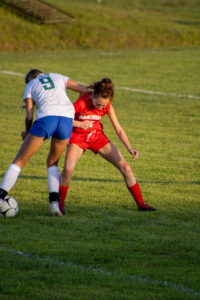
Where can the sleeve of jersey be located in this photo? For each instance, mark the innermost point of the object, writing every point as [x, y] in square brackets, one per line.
[65, 79]
[27, 92]
[79, 105]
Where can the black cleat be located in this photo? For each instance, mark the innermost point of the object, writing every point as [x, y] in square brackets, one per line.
[146, 207]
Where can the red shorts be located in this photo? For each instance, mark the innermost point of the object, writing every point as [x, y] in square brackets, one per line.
[94, 141]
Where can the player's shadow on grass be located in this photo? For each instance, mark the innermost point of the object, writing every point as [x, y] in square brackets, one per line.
[140, 181]
[111, 180]
[169, 182]
[75, 178]
[190, 23]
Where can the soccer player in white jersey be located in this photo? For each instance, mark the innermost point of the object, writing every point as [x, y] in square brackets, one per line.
[54, 118]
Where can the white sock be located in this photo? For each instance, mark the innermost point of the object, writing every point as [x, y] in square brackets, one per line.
[53, 179]
[10, 177]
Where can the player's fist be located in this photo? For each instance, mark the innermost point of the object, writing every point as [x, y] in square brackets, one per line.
[86, 124]
[134, 153]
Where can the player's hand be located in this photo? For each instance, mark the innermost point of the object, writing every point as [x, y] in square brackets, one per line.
[134, 153]
[85, 124]
[23, 135]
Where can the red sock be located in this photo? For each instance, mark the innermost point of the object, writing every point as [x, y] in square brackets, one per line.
[63, 193]
[62, 196]
[136, 193]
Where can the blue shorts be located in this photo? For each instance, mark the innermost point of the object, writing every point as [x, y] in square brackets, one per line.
[55, 126]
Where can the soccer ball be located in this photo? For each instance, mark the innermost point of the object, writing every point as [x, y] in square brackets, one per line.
[8, 207]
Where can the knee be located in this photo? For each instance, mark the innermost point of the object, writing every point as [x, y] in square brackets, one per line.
[68, 170]
[125, 168]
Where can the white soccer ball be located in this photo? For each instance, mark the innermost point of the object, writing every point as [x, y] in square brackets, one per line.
[8, 207]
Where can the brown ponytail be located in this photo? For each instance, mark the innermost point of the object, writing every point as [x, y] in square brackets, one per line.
[103, 88]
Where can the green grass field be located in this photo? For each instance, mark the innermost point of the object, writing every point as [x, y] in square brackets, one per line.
[100, 24]
[104, 248]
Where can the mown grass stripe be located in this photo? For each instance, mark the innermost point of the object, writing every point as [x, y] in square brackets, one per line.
[11, 73]
[124, 276]
[157, 93]
[127, 88]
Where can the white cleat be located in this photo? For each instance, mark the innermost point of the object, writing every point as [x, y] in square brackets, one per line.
[55, 210]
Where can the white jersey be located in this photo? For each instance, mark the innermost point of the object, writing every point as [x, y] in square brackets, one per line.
[48, 91]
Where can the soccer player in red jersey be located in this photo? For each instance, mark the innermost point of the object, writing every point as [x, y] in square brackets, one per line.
[91, 107]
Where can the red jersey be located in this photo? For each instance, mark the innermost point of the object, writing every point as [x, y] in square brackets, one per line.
[85, 110]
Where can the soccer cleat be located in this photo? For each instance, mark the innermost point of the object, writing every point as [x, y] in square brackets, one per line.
[55, 210]
[62, 207]
[146, 207]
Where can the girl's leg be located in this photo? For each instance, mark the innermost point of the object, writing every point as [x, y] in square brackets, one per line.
[112, 154]
[30, 145]
[56, 149]
[73, 154]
